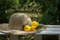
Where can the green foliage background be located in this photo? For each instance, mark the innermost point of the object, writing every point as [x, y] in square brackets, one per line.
[47, 11]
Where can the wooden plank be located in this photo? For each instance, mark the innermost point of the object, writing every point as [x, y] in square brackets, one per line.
[1, 33]
[48, 33]
[52, 29]
[49, 28]
[52, 26]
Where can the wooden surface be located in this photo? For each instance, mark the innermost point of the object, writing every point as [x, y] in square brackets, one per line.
[50, 30]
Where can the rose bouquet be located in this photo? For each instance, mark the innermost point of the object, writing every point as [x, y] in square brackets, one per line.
[34, 26]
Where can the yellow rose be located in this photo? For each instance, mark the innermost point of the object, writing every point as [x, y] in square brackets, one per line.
[34, 23]
[27, 28]
[33, 28]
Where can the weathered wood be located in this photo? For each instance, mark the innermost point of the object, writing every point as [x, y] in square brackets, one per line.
[50, 30]
[52, 26]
